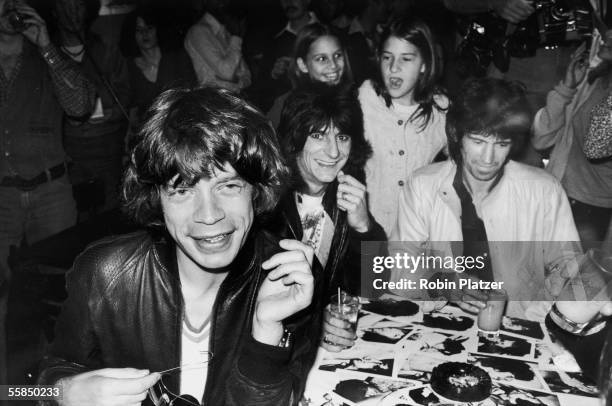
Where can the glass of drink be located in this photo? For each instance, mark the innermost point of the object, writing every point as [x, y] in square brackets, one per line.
[346, 307]
[490, 318]
[577, 306]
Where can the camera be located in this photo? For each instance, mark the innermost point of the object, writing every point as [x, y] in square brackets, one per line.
[16, 20]
[488, 38]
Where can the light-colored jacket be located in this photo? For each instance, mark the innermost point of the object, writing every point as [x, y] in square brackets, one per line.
[527, 219]
[399, 147]
[217, 55]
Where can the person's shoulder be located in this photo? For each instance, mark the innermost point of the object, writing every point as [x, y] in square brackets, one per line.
[366, 90]
[108, 257]
[436, 171]
[527, 173]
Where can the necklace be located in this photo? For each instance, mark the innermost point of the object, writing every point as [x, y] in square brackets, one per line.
[72, 53]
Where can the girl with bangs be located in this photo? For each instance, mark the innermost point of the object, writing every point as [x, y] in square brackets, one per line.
[404, 114]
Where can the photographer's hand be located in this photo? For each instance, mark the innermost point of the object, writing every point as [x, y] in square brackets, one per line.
[576, 70]
[36, 28]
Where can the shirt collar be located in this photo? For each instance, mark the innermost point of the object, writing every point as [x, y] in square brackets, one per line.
[312, 18]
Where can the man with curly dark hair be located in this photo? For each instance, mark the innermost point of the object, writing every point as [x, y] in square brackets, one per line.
[203, 287]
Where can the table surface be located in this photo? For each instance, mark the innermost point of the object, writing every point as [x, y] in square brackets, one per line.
[387, 365]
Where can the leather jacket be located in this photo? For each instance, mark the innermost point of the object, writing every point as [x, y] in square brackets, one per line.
[343, 267]
[125, 309]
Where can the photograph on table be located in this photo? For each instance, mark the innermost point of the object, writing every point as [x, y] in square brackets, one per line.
[523, 327]
[385, 332]
[509, 371]
[574, 383]
[509, 396]
[507, 346]
[371, 390]
[445, 346]
[417, 367]
[366, 365]
[550, 355]
[446, 321]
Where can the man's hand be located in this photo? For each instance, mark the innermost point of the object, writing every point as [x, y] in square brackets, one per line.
[351, 197]
[470, 300]
[287, 289]
[107, 387]
[337, 333]
[36, 28]
[280, 67]
[513, 11]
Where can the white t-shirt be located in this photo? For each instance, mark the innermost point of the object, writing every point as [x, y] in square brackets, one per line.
[317, 226]
[194, 353]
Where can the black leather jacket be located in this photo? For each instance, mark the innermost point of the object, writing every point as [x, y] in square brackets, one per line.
[124, 309]
[343, 268]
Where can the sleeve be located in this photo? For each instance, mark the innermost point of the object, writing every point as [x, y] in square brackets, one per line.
[410, 232]
[260, 376]
[550, 119]
[75, 348]
[121, 84]
[562, 242]
[357, 278]
[201, 45]
[76, 94]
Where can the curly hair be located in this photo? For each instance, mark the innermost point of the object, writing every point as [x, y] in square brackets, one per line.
[311, 109]
[489, 106]
[193, 132]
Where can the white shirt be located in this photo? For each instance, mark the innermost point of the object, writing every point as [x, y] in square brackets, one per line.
[528, 206]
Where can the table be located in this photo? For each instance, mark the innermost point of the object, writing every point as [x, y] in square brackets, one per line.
[390, 363]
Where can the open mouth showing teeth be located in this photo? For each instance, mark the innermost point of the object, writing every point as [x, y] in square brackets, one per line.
[215, 239]
[395, 82]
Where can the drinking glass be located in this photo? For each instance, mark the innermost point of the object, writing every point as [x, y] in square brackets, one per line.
[490, 318]
[346, 307]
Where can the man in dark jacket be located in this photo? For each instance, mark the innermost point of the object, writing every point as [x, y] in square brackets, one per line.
[202, 288]
[321, 132]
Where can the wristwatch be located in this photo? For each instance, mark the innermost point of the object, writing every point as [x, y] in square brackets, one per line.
[580, 329]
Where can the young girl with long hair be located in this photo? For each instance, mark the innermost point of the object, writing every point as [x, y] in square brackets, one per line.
[319, 57]
[404, 113]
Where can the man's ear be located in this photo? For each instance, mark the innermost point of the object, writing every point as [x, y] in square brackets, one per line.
[302, 65]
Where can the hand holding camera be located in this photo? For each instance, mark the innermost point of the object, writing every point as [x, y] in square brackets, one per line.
[26, 20]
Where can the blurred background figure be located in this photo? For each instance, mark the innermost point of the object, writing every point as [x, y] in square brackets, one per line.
[318, 57]
[368, 17]
[332, 12]
[275, 67]
[95, 146]
[152, 66]
[38, 84]
[579, 106]
[214, 44]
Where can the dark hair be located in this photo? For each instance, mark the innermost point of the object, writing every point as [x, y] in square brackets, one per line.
[416, 32]
[304, 40]
[319, 106]
[127, 41]
[489, 106]
[193, 132]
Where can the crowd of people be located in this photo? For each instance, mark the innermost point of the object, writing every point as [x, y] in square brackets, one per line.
[257, 166]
